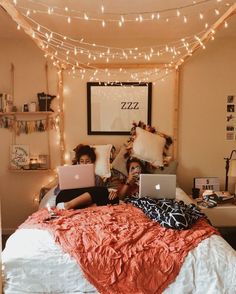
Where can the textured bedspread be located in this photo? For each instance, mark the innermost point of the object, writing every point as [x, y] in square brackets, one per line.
[119, 249]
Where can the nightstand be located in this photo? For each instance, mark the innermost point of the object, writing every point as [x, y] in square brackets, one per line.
[223, 215]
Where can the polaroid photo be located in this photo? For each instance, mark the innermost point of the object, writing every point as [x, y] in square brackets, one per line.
[230, 99]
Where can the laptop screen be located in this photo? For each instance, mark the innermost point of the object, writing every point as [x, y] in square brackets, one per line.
[76, 176]
[157, 186]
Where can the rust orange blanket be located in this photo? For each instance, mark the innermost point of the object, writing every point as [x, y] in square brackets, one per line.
[119, 249]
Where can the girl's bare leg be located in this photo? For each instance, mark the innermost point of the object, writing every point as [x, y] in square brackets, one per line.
[82, 200]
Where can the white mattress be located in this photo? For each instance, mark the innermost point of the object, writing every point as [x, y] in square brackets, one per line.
[33, 263]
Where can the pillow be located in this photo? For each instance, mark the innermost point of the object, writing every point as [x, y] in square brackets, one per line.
[171, 168]
[119, 163]
[148, 147]
[116, 180]
[48, 199]
[102, 164]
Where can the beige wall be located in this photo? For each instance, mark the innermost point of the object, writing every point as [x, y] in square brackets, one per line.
[17, 190]
[75, 96]
[206, 80]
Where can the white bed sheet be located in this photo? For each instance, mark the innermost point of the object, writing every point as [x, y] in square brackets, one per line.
[33, 263]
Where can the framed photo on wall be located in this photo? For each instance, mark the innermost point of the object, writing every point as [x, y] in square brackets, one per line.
[19, 156]
[113, 107]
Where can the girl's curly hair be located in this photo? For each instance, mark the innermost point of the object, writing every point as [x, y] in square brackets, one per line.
[81, 150]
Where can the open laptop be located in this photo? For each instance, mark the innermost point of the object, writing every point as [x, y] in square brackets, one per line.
[76, 176]
[157, 186]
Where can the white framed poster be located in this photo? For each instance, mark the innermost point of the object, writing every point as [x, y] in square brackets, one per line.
[19, 156]
[113, 107]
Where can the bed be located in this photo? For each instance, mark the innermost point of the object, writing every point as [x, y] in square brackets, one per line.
[117, 249]
[34, 263]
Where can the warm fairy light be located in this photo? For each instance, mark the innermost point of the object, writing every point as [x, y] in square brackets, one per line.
[18, 27]
[67, 156]
[226, 24]
[67, 51]
[134, 16]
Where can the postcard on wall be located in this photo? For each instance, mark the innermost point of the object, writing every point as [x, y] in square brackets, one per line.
[19, 156]
[230, 118]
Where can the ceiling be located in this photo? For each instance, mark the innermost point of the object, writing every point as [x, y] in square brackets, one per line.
[142, 40]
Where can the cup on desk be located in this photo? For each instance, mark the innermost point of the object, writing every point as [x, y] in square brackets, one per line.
[195, 193]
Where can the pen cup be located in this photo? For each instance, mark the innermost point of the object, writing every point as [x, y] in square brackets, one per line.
[195, 193]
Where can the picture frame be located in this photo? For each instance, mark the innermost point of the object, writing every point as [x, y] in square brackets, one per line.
[207, 183]
[113, 107]
[19, 156]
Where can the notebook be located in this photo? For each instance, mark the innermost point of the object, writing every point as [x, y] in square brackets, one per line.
[157, 186]
[76, 176]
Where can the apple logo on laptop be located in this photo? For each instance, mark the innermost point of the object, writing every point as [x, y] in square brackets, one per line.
[158, 187]
[77, 177]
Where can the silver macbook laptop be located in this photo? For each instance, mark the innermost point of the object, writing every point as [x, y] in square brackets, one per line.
[76, 176]
[157, 186]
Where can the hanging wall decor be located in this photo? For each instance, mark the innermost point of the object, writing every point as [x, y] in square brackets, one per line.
[28, 126]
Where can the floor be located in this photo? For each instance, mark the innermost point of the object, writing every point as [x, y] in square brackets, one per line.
[229, 234]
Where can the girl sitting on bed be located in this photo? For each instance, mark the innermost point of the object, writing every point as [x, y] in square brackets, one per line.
[84, 197]
[134, 168]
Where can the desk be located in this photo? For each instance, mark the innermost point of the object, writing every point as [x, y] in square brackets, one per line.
[223, 215]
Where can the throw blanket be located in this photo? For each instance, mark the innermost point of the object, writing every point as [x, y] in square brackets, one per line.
[119, 249]
[168, 212]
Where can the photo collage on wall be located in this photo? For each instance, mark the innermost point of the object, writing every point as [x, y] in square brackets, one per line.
[231, 118]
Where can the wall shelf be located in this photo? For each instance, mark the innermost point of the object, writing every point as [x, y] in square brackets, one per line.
[30, 170]
[29, 119]
[26, 113]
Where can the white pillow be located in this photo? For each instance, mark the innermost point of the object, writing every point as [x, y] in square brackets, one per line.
[148, 147]
[48, 199]
[102, 164]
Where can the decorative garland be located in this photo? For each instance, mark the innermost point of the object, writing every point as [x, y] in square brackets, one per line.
[28, 126]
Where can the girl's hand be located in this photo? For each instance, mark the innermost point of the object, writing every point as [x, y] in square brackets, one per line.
[132, 178]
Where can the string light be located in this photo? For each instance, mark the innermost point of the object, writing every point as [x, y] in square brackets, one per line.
[63, 49]
[128, 17]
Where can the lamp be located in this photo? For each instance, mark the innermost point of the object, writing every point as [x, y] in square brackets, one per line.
[230, 168]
